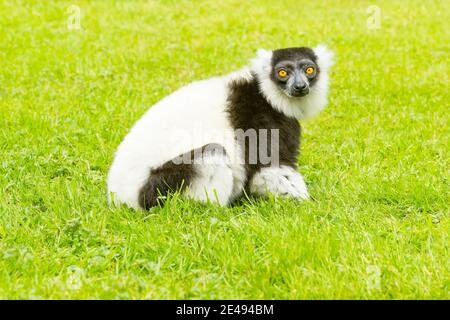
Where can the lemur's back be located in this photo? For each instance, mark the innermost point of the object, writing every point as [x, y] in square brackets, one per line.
[189, 118]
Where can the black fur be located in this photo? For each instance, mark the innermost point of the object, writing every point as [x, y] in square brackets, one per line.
[174, 175]
[249, 109]
[167, 178]
[293, 54]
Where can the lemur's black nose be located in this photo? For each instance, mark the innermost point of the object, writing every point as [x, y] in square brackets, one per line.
[300, 86]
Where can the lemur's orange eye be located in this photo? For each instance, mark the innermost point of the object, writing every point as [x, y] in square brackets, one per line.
[282, 73]
[309, 71]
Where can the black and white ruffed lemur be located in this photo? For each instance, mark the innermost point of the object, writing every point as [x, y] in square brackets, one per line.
[276, 90]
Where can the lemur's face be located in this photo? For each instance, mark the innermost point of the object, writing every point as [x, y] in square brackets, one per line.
[294, 70]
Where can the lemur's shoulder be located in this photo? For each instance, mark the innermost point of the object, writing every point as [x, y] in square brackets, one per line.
[241, 76]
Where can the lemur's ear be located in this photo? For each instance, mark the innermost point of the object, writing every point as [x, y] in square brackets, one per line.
[261, 64]
[264, 54]
[324, 57]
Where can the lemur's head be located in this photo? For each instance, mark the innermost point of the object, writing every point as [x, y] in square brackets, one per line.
[294, 70]
[294, 80]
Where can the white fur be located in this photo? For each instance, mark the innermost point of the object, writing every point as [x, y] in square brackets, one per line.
[302, 107]
[283, 180]
[194, 116]
[215, 182]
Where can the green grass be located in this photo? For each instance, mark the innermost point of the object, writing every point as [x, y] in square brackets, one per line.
[376, 160]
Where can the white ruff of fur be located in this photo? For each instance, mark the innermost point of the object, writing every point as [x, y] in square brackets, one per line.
[296, 107]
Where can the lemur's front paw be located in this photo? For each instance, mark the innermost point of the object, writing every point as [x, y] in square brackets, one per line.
[296, 184]
[284, 181]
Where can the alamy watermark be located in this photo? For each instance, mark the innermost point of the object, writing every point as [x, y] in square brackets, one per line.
[75, 278]
[260, 146]
[373, 279]
[373, 21]
[74, 18]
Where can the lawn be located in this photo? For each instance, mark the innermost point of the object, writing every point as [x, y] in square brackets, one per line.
[376, 160]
